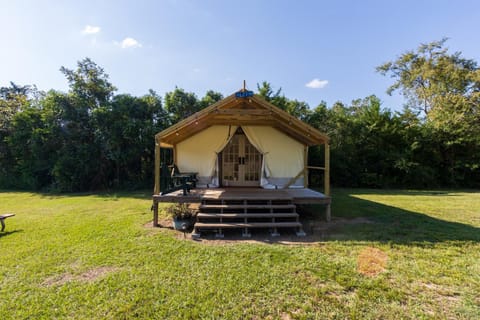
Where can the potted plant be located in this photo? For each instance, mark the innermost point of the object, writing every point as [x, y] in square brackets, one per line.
[182, 216]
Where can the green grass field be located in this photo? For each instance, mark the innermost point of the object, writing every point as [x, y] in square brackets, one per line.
[95, 257]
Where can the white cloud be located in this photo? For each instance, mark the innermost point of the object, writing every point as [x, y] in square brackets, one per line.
[90, 29]
[317, 84]
[130, 43]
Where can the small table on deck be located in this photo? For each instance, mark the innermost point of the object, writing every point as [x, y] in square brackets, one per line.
[186, 179]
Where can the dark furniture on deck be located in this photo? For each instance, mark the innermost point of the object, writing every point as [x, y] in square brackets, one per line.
[172, 180]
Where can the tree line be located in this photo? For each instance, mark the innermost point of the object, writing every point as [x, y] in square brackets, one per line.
[91, 138]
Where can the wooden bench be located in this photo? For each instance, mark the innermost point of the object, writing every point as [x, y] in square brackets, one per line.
[3, 217]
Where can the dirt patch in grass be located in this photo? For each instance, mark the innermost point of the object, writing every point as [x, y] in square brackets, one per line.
[440, 292]
[371, 261]
[94, 274]
[58, 280]
[88, 276]
[438, 301]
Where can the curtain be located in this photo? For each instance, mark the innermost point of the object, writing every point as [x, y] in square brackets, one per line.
[198, 153]
[282, 155]
[215, 179]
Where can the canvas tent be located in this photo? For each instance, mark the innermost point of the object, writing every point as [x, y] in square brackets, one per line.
[242, 141]
[282, 156]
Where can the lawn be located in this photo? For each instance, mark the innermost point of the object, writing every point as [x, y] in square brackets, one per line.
[410, 255]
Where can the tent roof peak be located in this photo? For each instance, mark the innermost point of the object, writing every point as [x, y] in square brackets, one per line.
[241, 108]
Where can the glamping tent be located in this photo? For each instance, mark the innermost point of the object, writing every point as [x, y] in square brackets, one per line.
[242, 141]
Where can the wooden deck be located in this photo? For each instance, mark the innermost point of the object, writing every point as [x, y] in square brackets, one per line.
[297, 196]
[245, 200]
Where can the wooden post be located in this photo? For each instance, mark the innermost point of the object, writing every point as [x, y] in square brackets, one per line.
[327, 169]
[156, 190]
[157, 168]
[175, 154]
[305, 167]
[328, 212]
[155, 213]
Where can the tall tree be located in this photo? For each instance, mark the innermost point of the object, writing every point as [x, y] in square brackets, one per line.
[82, 162]
[445, 89]
[431, 78]
[180, 104]
[124, 133]
[89, 83]
[13, 101]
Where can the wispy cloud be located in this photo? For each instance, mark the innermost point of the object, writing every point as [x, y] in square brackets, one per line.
[316, 84]
[91, 29]
[130, 43]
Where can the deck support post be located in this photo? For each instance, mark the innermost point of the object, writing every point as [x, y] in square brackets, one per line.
[305, 167]
[156, 190]
[175, 158]
[219, 234]
[327, 170]
[157, 168]
[155, 213]
[301, 233]
[328, 212]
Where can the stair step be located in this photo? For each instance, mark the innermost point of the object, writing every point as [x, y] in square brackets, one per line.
[247, 215]
[202, 225]
[247, 206]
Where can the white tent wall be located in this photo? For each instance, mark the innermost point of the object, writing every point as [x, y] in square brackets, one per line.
[199, 152]
[283, 156]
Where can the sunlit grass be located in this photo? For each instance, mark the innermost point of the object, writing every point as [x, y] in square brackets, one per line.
[95, 257]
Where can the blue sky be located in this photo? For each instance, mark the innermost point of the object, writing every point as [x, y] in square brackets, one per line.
[199, 45]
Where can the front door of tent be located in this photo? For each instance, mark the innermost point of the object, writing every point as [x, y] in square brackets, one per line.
[241, 163]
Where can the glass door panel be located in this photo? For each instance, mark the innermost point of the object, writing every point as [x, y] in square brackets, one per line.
[241, 163]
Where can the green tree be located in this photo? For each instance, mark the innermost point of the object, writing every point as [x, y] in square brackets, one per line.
[265, 90]
[445, 90]
[180, 104]
[210, 98]
[124, 131]
[298, 109]
[89, 83]
[82, 163]
[13, 101]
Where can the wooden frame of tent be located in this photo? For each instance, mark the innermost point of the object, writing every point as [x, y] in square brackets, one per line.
[243, 109]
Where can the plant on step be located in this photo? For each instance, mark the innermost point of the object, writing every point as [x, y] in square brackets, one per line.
[179, 211]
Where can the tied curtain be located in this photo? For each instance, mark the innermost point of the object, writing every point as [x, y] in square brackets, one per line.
[199, 153]
[282, 155]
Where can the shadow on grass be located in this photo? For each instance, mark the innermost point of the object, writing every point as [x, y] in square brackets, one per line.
[7, 233]
[383, 223]
[356, 219]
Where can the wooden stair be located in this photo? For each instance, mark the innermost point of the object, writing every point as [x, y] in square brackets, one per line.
[218, 214]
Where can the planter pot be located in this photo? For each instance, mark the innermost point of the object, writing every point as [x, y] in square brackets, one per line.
[182, 224]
